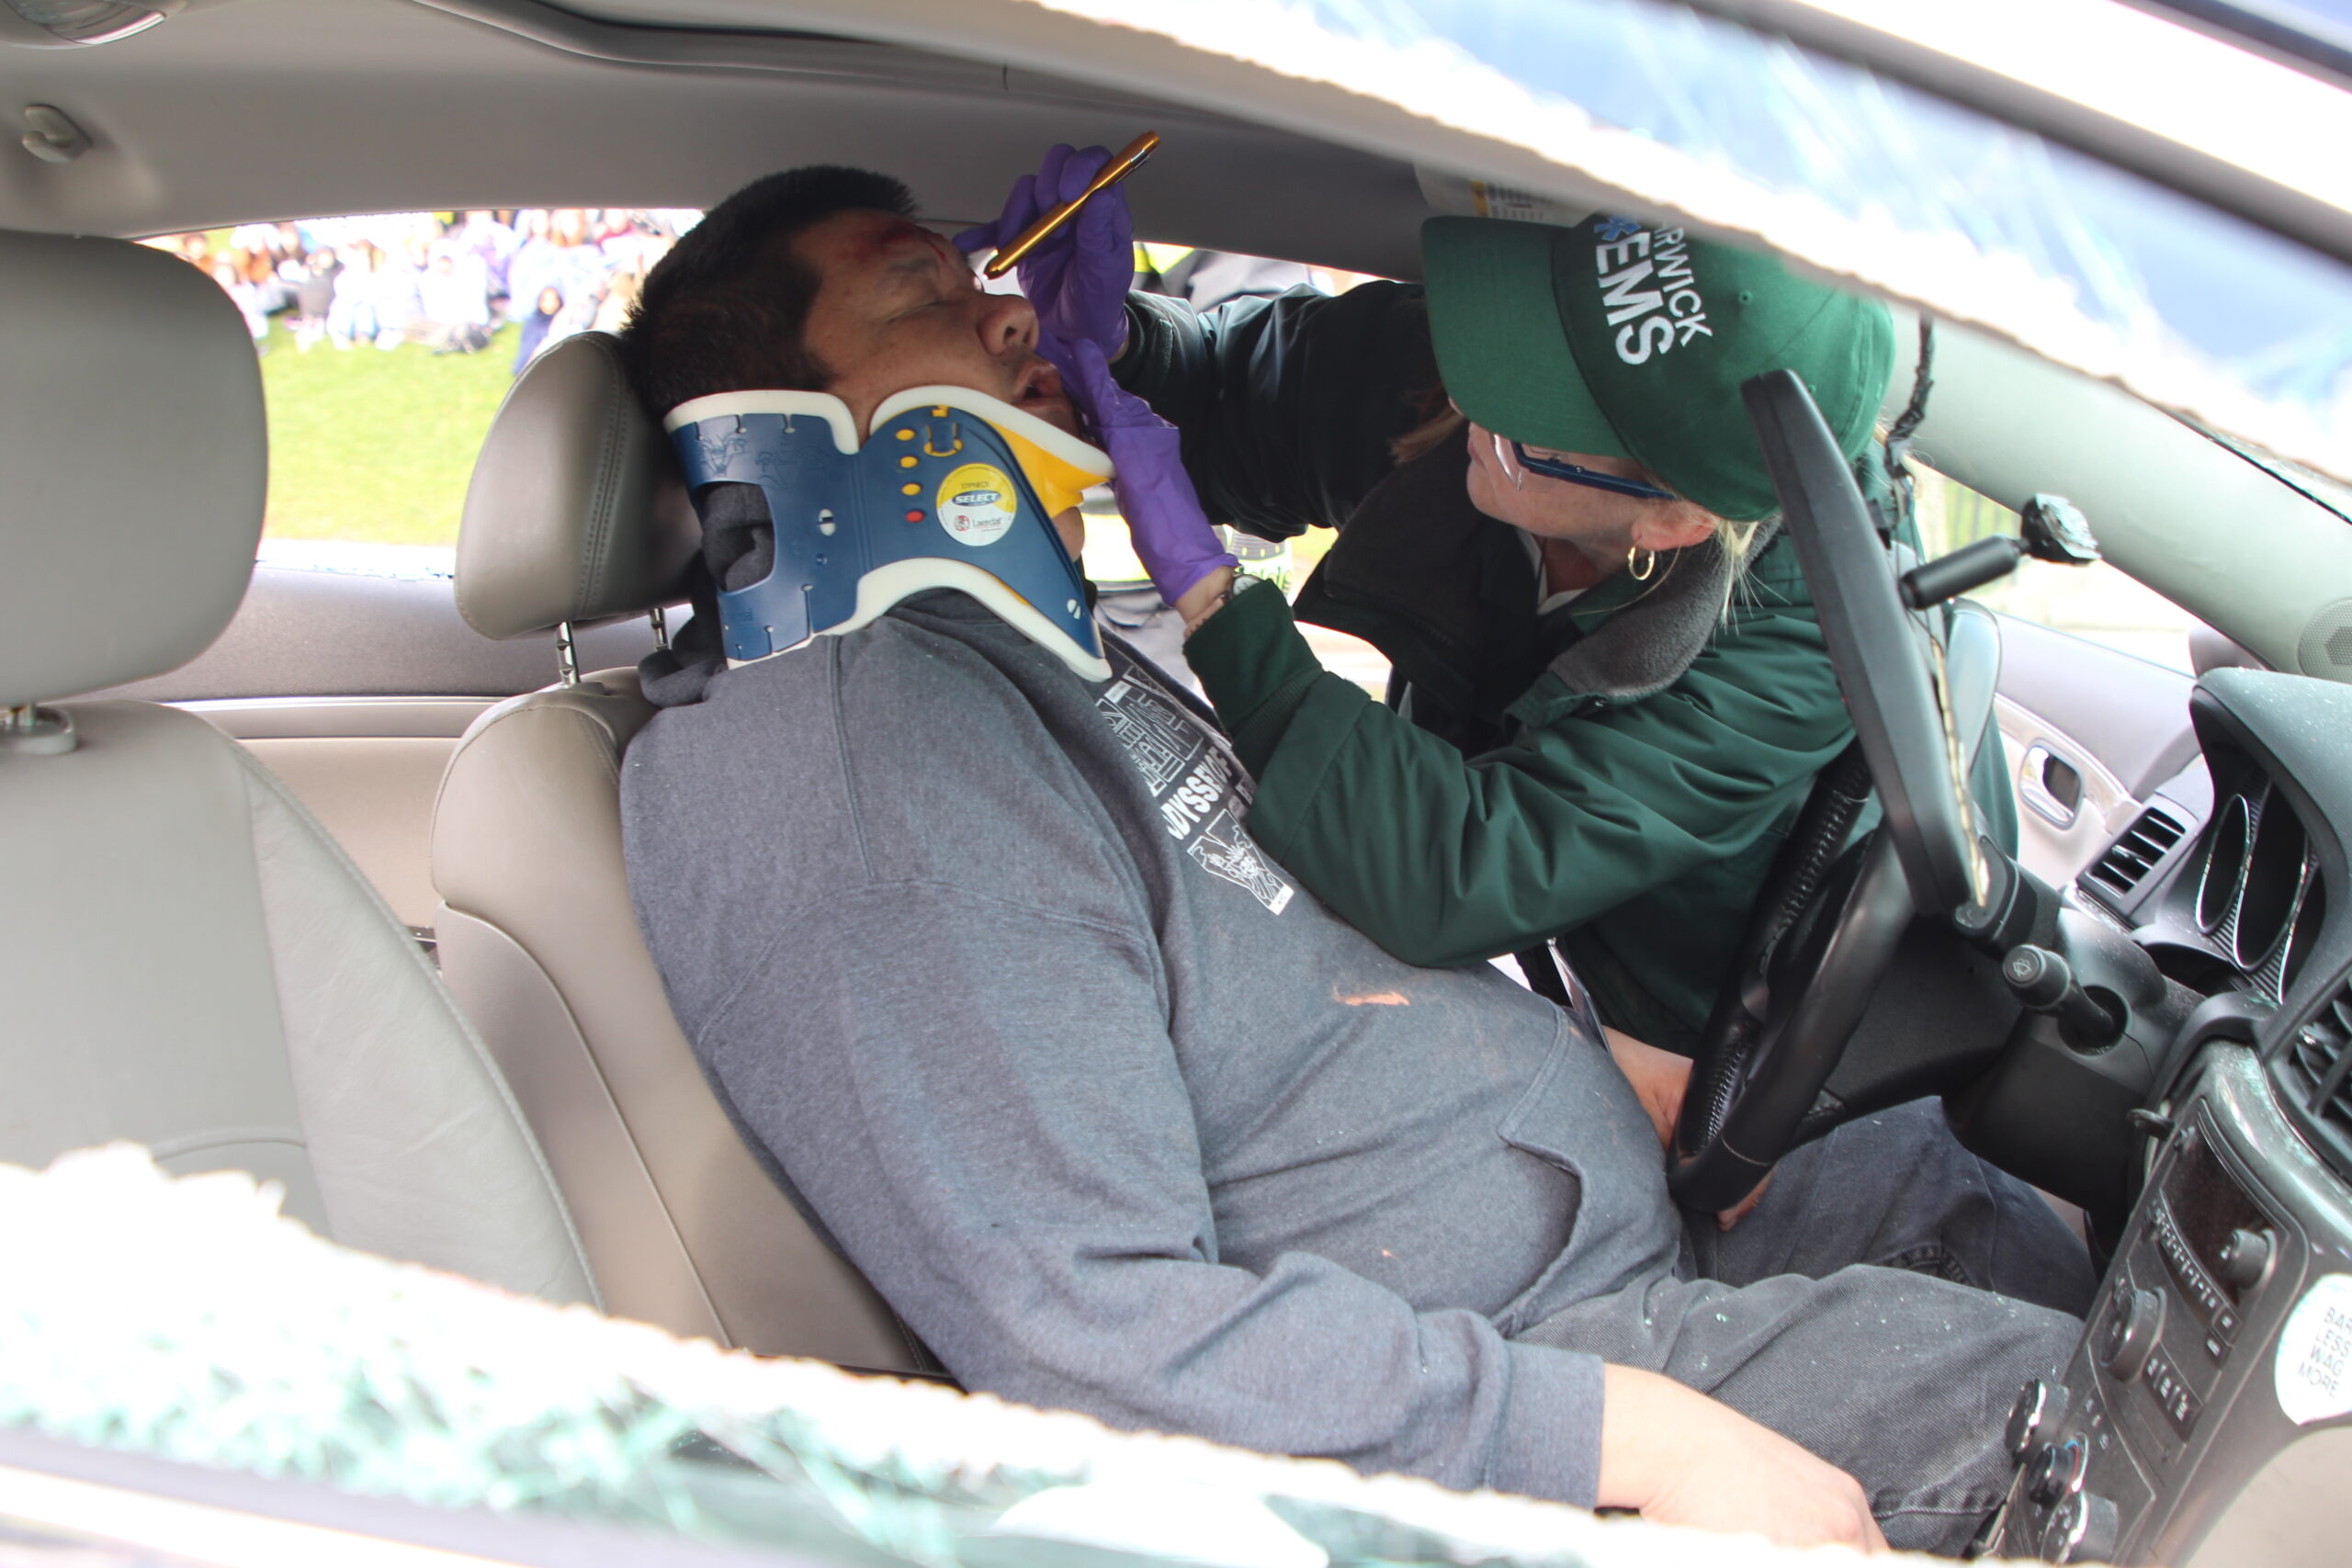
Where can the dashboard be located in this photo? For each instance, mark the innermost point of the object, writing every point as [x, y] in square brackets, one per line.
[2241, 904]
[2205, 1419]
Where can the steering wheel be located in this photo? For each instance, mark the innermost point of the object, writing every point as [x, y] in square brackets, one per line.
[1825, 930]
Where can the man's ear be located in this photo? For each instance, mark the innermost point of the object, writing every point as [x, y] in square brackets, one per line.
[1663, 527]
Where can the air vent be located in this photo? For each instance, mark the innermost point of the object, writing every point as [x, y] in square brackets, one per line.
[2129, 859]
[2314, 1066]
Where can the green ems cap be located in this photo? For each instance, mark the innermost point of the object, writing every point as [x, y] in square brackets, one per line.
[1624, 339]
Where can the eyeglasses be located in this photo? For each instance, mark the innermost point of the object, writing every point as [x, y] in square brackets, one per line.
[1517, 462]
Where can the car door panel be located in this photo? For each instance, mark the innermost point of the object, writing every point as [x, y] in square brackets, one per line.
[311, 633]
[374, 795]
[2129, 716]
[2092, 733]
[354, 689]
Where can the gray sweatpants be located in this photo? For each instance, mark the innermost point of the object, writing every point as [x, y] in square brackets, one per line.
[1882, 1307]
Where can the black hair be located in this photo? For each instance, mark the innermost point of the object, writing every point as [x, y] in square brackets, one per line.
[727, 310]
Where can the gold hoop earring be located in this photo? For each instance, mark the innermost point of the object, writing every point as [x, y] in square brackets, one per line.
[1640, 564]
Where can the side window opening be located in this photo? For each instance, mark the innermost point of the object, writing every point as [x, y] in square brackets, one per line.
[2098, 603]
[387, 342]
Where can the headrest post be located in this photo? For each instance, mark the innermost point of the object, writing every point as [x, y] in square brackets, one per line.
[661, 619]
[37, 731]
[566, 657]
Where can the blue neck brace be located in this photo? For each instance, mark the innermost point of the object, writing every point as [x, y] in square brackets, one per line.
[944, 494]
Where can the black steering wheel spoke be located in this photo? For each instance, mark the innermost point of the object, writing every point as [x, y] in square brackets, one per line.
[1835, 909]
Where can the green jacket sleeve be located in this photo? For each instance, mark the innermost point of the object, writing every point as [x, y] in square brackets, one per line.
[1447, 861]
[1287, 404]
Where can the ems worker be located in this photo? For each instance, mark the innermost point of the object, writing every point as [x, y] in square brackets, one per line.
[1611, 694]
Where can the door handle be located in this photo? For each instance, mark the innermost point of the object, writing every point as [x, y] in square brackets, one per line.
[2051, 786]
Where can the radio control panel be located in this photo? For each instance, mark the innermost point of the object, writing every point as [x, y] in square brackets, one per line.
[2167, 1408]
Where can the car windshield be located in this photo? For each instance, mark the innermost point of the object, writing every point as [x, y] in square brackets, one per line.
[2328, 492]
[2201, 312]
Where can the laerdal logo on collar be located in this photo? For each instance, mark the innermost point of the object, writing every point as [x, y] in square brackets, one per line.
[1661, 317]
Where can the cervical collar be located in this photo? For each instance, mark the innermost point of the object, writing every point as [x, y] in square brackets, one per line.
[954, 490]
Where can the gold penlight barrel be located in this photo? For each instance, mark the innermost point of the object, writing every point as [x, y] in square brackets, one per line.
[1131, 158]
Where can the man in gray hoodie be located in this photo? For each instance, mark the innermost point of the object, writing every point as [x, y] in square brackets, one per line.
[1122, 1120]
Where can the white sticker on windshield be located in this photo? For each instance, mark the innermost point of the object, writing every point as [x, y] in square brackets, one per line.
[2314, 1365]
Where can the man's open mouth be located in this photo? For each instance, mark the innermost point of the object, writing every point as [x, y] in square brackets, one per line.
[1038, 379]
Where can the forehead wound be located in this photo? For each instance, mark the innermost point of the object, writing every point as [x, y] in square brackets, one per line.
[879, 239]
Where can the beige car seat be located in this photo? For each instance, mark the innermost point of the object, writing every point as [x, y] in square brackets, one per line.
[576, 515]
[188, 961]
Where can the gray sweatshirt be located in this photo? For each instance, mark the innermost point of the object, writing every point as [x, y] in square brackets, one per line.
[1116, 1114]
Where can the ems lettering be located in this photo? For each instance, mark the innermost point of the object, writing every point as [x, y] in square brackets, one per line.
[1623, 253]
[1658, 319]
[1635, 344]
[1617, 293]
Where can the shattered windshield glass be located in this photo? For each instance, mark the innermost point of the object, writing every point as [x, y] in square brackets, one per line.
[2102, 270]
[208, 1329]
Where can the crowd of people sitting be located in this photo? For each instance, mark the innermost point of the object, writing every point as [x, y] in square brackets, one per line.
[445, 280]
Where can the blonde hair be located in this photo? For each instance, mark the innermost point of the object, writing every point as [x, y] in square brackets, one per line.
[1449, 422]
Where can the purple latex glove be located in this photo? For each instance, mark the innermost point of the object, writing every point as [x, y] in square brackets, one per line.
[1078, 275]
[1173, 535]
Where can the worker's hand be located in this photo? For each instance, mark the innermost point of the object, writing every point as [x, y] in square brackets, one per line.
[1078, 277]
[1173, 535]
[1682, 1459]
[1660, 1079]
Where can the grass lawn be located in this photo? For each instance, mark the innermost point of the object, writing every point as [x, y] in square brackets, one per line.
[376, 446]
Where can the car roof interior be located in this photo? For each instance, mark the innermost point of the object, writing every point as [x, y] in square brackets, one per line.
[404, 106]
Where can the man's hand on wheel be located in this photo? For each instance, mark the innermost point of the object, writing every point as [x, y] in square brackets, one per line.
[1659, 1078]
[1680, 1458]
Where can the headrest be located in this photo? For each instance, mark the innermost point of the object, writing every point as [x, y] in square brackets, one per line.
[576, 512]
[133, 464]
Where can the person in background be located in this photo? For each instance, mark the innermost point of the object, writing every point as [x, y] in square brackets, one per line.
[532, 266]
[539, 327]
[314, 297]
[492, 241]
[562, 258]
[358, 314]
[438, 279]
[247, 298]
[400, 269]
[289, 245]
[253, 247]
[453, 297]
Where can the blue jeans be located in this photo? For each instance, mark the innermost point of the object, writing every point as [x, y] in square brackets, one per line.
[1882, 1307]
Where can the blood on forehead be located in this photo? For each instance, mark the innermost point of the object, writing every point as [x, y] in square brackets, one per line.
[861, 241]
[883, 238]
